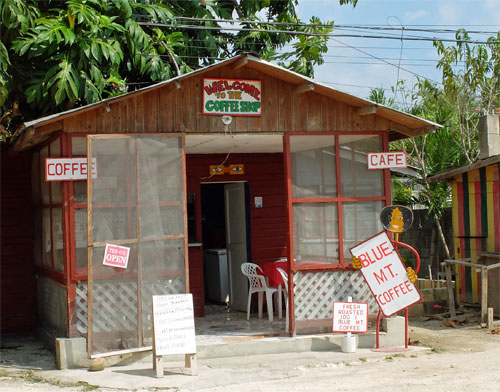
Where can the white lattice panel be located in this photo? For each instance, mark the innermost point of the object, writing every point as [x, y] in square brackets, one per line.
[115, 304]
[315, 293]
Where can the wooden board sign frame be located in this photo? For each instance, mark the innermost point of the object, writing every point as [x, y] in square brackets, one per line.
[173, 330]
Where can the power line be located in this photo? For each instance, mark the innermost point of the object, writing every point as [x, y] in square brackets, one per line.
[335, 26]
[299, 33]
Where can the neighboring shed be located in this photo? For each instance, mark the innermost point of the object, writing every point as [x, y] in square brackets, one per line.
[241, 155]
[476, 216]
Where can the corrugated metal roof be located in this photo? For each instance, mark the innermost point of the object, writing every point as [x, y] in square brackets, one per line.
[455, 172]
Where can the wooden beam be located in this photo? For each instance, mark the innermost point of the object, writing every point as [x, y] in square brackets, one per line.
[240, 62]
[304, 88]
[484, 295]
[451, 294]
[365, 110]
[32, 135]
[411, 132]
[463, 262]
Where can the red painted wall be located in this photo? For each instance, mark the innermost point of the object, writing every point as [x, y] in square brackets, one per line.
[268, 229]
[17, 283]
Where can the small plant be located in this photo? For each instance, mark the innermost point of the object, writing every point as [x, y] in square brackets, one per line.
[362, 359]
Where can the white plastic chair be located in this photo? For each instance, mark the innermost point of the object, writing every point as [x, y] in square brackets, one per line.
[258, 285]
[284, 275]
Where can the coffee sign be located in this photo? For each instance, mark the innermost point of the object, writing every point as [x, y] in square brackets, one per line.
[235, 97]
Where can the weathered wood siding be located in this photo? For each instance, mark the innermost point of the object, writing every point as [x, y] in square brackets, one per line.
[17, 293]
[167, 109]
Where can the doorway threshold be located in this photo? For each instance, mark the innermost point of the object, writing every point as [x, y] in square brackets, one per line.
[223, 325]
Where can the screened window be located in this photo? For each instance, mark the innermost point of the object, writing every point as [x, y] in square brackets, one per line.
[330, 176]
[48, 216]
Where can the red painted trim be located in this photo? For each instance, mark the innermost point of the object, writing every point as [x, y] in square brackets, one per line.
[340, 215]
[57, 276]
[461, 231]
[289, 222]
[67, 235]
[51, 223]
[337, 199]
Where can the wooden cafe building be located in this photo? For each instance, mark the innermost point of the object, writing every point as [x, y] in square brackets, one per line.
[239, 161]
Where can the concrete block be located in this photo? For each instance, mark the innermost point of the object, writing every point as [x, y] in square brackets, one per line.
[427, 295]
[395, 328]
[441, 294]
[416, 310]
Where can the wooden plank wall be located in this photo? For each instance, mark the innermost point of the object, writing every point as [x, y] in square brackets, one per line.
[168, 109]
[16, 255]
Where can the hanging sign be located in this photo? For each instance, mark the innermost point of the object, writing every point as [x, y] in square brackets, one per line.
[396, 219]
[385, 274]
[350, 317]
[387, 160]
[116, 256]
[219, 170]
[236, 97]
[67, 169]
[173, 324]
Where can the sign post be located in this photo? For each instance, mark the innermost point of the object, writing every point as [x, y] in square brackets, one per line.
[173, 330]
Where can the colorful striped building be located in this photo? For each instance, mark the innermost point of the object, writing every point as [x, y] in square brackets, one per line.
[476, 219]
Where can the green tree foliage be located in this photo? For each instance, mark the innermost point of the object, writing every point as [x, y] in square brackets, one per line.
[471, 80]
[59, 54]
[470, 87]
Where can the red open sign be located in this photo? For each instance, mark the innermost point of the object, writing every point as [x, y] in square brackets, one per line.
[116, 256]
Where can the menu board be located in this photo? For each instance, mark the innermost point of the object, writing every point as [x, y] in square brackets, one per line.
[173, 324]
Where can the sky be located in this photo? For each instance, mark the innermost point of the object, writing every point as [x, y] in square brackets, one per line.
[353, 64]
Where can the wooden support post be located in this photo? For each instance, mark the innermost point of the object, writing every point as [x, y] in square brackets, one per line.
[190, 363]
[490, 319]
[484, 294]
[451, 295]
[158, 365]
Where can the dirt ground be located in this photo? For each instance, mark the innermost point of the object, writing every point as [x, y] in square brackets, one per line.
[460, 358]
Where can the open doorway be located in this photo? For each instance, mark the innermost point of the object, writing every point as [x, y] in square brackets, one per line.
[225, 237]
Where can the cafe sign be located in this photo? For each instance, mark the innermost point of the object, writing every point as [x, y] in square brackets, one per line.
[234, 97]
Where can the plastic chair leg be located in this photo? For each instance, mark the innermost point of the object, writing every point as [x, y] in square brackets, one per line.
[261, 301]
[249, 302]
[269, 299]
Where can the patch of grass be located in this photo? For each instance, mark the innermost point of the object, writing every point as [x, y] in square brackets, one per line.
[362, 359]
[389, 358]
[36, 379]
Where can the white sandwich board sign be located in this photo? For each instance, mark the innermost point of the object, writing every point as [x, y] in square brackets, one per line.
[173, 330]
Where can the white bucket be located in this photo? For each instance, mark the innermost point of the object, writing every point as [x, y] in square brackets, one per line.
[349, 344]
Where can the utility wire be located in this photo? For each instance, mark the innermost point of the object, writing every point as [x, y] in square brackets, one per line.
[302, 33]
[335, 26]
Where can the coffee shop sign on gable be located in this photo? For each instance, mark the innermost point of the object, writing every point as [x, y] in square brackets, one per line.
[235, 97]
